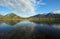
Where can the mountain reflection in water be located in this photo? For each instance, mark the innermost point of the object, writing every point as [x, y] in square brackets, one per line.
[29, 30]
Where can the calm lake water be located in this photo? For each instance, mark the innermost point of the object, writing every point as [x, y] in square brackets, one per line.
[52, 31]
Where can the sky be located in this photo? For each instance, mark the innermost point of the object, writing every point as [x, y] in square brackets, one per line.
[27, 8]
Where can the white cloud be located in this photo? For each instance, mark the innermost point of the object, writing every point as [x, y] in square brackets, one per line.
[57, 12]
[24, 6]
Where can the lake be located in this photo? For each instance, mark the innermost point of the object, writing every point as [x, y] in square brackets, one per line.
[29, 30]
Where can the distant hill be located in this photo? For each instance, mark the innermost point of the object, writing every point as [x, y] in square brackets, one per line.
[38, 16]
[49, 15]
[1, 16]
[53, 15]
[11, 15]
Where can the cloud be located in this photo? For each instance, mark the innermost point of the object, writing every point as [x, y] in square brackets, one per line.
[57, 12]
[23, 6]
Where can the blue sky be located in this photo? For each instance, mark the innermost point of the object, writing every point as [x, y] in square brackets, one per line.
[51, 5]
[24, 9]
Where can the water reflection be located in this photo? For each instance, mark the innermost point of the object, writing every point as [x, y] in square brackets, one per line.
[56, 26]
[11, 22]
[4, 27]
[28, 30]
[26, 23]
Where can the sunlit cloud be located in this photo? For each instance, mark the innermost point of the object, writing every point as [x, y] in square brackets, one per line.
[57, 12]
[22, 6]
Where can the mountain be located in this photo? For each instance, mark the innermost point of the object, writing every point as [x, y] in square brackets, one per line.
[38, 16]
[11, 15]
[49, 15]
[1, 16]
[53, 15]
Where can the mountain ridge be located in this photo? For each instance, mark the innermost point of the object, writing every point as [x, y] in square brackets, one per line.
[52, 15]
